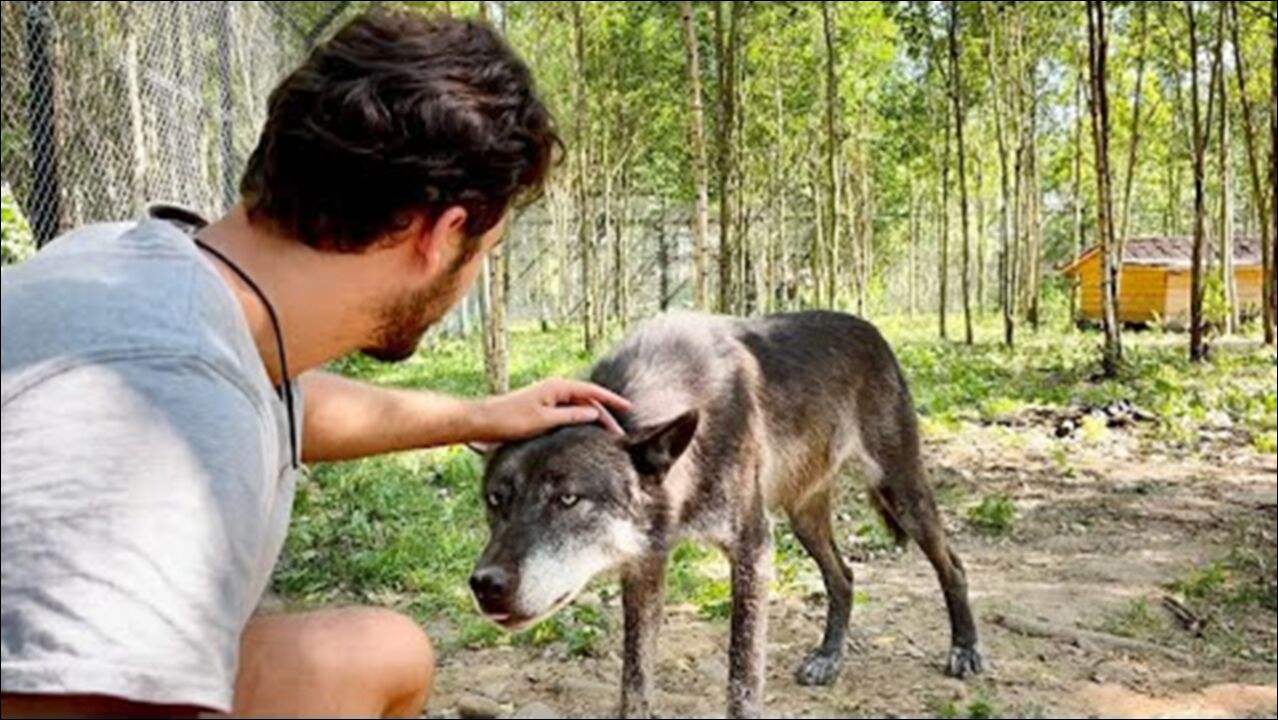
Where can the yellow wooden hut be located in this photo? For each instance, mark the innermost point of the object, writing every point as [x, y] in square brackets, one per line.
[1155, 280]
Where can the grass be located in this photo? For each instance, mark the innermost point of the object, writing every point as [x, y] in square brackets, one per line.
[404, 531]
[982, 706]
[995, 515]
[1137, 619]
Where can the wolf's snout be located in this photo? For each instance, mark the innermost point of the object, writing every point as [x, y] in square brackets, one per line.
[491, 586]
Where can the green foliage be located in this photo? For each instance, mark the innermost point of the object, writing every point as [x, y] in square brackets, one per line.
[954, 384]
[994, 515]
[579, 629]
[16, 243]
[981, 707]
[1137, 619]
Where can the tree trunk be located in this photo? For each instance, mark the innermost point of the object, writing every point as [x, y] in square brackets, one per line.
[1271, 298]
[1225, 223]
[1197, 345]
[945, 235]
[663, 260]
[1020, 210]
[1133, 149]
[982, 225]
[816, 258]
[1080, 239]
[1258, 190]
[496, 357]
[1034, 206]
[585, 214]
[140, 158]
[727, 47]
[865, 222]
[1098, 45]
[226, 96]
[744, 271]
[913, 276]
[778, 278]
[1004, 275]
[956, 96]
[621, 297]
[833, 144]
[700, 166]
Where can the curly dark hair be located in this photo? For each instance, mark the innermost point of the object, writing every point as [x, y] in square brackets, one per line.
[398, 114]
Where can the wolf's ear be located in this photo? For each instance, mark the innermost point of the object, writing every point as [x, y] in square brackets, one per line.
[653, 450]
[483, 449]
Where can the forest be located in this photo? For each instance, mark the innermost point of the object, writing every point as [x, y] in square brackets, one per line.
[996, 185]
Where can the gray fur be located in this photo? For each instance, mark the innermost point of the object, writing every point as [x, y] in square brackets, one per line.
[775, 408]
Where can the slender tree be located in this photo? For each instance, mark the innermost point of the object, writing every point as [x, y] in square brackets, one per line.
[700, 165]
[1098, 46]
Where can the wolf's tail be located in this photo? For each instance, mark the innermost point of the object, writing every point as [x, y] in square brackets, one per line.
[899, 535]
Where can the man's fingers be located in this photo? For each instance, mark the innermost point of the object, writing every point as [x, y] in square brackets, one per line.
[607, 420]
[573, 415]
[575, 391]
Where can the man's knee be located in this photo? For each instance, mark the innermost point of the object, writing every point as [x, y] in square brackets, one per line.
[378, 649]
[400, 646]
[370, 660]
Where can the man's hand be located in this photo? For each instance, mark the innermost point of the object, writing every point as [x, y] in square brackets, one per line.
[543, 407]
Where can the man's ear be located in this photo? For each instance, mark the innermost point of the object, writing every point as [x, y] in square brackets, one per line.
[654, 450]
[445, 238]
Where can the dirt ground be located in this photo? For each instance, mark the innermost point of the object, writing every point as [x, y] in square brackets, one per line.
[1101, 524]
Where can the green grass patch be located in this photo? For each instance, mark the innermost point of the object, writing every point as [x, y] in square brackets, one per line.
[1137, 619]
[995, 515]
[982, 706]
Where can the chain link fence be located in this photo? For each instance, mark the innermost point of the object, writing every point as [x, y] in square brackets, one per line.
[107, 106]
[110, 105]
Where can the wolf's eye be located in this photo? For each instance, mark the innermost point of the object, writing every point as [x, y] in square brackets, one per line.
[569, 500]
[494, 501]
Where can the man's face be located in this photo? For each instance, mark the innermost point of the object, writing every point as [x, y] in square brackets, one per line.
[405, 319]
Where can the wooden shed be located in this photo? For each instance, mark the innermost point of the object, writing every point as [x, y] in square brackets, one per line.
[1155, 280]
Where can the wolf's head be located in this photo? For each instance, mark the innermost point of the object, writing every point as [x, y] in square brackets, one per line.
[565, 507]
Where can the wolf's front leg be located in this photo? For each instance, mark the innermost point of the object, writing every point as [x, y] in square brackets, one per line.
[643, 593]
[751, 578]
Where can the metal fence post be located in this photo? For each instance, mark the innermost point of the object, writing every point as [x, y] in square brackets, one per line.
[46, 189]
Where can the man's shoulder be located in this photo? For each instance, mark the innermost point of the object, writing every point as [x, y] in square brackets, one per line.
[114, 292]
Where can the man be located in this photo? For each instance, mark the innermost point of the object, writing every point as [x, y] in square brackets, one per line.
[153, 377]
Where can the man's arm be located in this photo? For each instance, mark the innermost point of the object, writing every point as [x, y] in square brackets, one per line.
[346, 419]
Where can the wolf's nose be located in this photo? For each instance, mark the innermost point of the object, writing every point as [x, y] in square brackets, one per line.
[490, 585]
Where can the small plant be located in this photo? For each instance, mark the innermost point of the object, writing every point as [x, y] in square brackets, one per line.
[16, 243]
[579, 628]
[1137, 620]
[1266, 443]
[714, 600]
[981, 707]
[995, 515]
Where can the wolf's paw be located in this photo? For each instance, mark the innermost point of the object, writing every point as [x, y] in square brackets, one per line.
[964, 662]
[819, 670]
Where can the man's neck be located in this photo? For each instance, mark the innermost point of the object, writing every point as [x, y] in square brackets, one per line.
[319, 314]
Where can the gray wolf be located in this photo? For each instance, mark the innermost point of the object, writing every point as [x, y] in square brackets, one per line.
[733, 420]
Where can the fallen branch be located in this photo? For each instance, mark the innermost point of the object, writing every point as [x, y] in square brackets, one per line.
[1187, 618]
[1036, 629]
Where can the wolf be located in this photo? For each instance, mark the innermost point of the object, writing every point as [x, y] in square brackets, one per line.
[734, 421]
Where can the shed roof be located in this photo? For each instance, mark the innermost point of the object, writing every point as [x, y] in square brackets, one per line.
[1174, 253]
